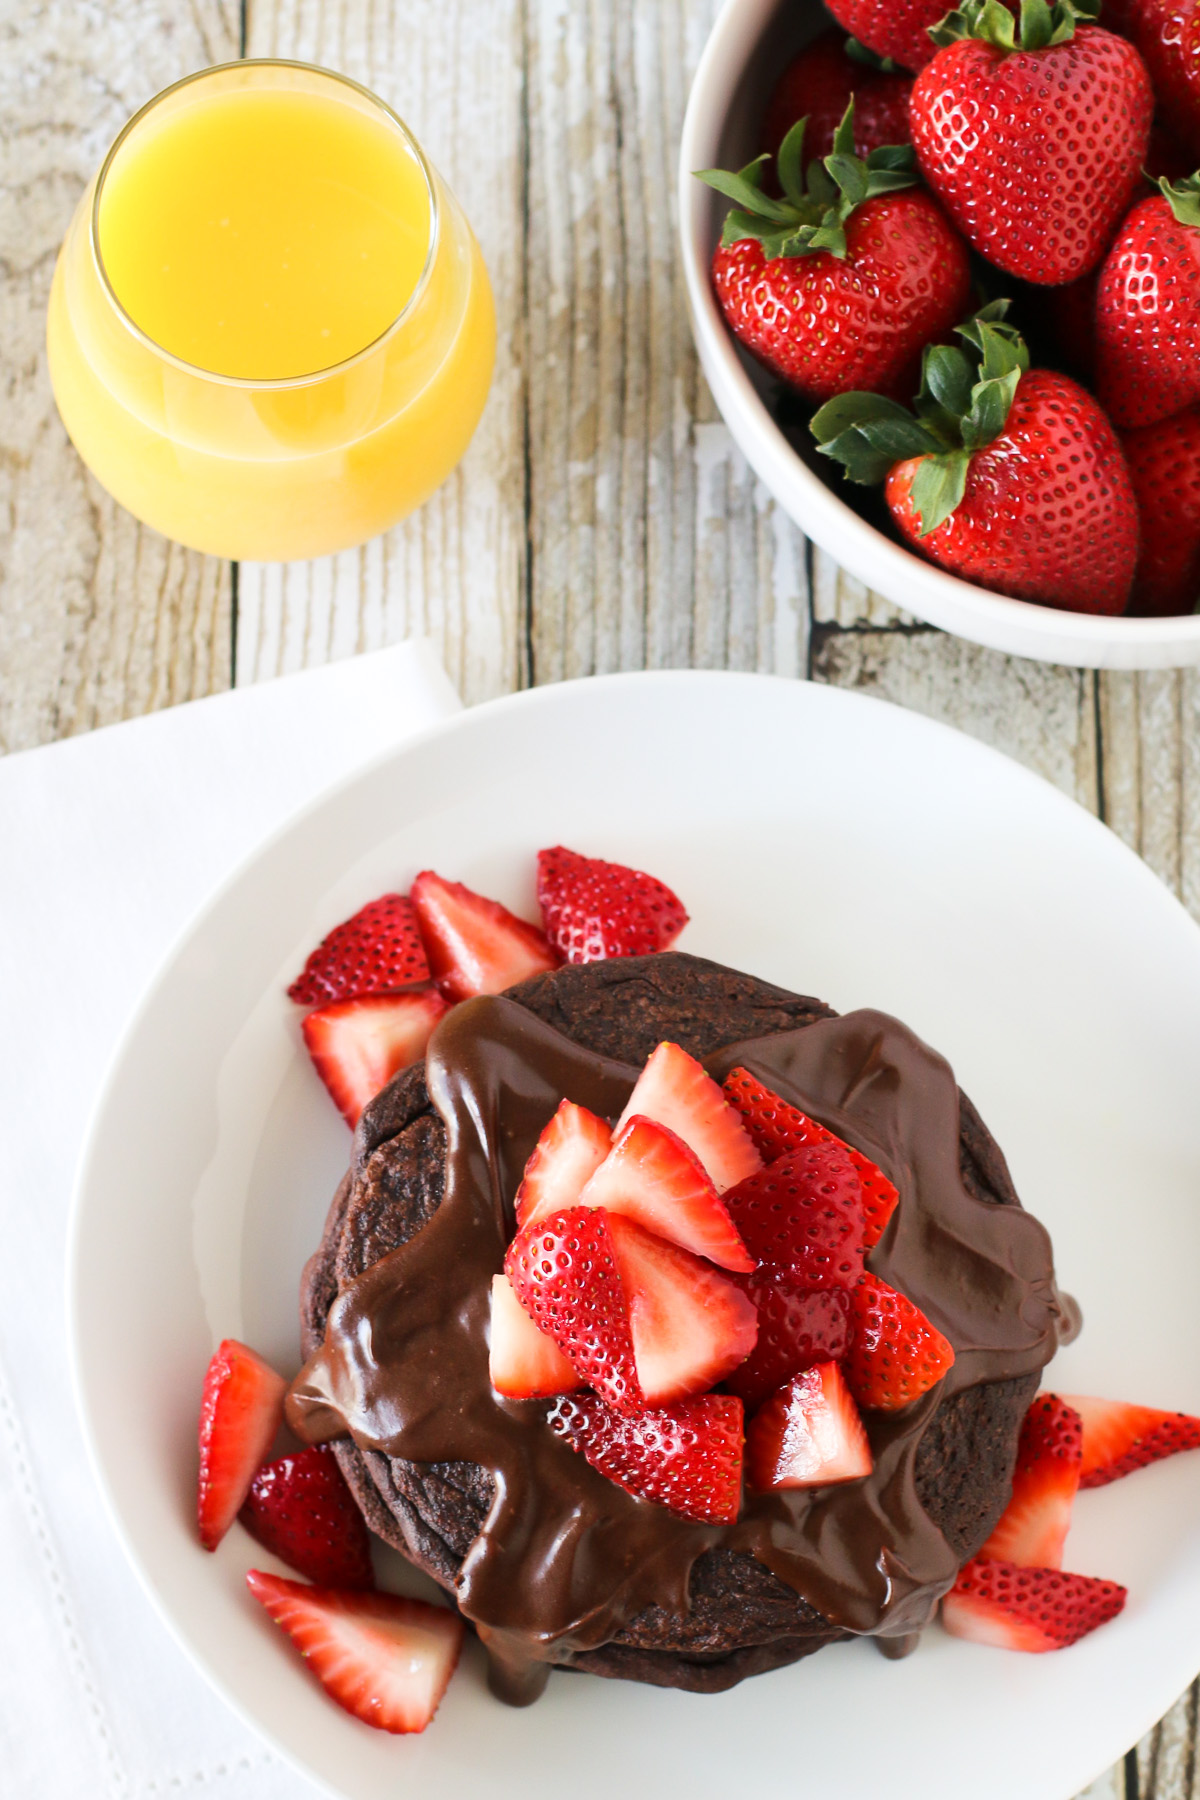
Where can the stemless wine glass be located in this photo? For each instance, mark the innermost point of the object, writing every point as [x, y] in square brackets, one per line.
[271, 332]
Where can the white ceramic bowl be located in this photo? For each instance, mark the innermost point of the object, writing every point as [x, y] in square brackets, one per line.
[749, 44]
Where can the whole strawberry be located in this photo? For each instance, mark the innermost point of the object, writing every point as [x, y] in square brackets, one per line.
[1167, 34]
[1148, 310]
[1164, 466]
[844, 281]
[895, 28]
[1033, 147]
[1008, 477]
[819, 84]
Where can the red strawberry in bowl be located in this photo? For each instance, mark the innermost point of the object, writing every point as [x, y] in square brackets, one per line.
[1032, 140]
[854, 241]
[894, 28]
[1164, 466]
[1148, 310]
[1009, 477]
[819, 84]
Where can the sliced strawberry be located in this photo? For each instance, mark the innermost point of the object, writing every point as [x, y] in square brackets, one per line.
[650, 1175]
[1027, 1609]
[1119, 1438]
[675, 1091]
[593, 909]
[475, 945]
[375, 952]
[523, 1363]
[777, 1128]
[809, 1434]
[1033, 1527]
[802, 1215]
[797, 1327]
[690, 1325]
[385, 1659]
[300, 1509]
[563, 1160]
[358, 1045]
[686, 1457]
[565, 1273]
[240, 1412]
[895, 1353]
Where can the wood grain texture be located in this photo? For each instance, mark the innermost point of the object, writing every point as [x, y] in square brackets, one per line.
[99, 617]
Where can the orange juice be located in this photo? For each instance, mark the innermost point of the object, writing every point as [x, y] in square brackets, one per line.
[271, 332]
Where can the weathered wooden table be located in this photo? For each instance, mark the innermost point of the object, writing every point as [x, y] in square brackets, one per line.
[602, 519]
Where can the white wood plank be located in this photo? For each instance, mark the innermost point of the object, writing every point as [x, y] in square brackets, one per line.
[1151, 738]
[99, 618]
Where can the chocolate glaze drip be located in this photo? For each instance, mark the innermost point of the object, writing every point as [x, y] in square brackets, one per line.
[566, 1558]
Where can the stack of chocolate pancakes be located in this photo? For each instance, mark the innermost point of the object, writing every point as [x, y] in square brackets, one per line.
[552, 1563]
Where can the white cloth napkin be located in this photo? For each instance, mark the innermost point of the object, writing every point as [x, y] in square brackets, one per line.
[108, 843]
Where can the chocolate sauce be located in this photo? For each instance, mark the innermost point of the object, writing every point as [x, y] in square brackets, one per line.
[566, 1558]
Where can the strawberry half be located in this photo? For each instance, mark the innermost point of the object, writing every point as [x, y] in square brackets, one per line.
[593, 909]
[1027, 1609]
[523, 1362]
[300, 1509]
[1119, 1438]
[802, 1215]
[895, 1354]
[797, 1327]
[565, 1273]
[675, 1091]
[686, 1457]
[562, 1162]
[475, 945]
[650, 1175]
[375, 952]
[809, 1434]
[358, 1045]
[690, 1325]
[385, 1659]
[1033, 1527]
[240, 1412]
[777, 1128]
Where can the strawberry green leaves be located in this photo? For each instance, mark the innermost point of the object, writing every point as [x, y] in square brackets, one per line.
[1183, 198]
[815, 206]
[965, 398]
[1042, 26]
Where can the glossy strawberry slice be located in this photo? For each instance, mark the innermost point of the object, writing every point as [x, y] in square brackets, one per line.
[375, 952]
[797, 1327]
[563, 1160]
[475, 945]
[1119, 1438]
[1033, 1527]
[895, 1354]
[802, 1216]
[809, 1434]
[777, 1128]
[690, 1325]
[650, 1175]
[565, 1272]
[675, 1091]
[595, 909]
[358, 1045]
[686, 1457]
[385, 1659]
[1027, 1609]
[300, 1509]
[240, 1412]
[523, 1362]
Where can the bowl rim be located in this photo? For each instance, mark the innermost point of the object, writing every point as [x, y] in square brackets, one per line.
[1017, 627]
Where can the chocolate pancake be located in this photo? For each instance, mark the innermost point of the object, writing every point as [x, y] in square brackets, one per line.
[695, 1606]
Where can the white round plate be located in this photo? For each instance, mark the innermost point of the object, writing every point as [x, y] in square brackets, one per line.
[826, 841]
[749, 45]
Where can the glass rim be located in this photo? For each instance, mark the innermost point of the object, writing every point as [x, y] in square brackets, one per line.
[273, 383]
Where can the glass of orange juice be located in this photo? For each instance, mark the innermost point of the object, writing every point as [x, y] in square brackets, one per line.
[271, 332]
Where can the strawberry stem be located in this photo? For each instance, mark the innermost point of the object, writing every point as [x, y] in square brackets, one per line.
[883, 65]
[816, 206]
[1183, 198]
[1044, 23]
[965, 399]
